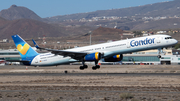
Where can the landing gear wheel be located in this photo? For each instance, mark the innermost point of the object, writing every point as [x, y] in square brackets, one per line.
[81, 68]
[159, 56]
[85, 66]
[95, 67]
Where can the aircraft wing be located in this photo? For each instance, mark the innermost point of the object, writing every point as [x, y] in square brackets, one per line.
[74, 55]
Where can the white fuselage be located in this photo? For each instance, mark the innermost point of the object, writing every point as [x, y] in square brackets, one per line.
[108, 49]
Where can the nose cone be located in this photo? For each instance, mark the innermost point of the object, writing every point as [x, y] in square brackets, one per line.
[175, 41]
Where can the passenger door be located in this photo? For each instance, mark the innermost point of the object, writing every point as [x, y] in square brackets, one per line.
[128, 44]
[158, 40]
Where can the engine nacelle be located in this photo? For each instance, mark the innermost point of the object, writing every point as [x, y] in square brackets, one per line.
[93, 57]
[115, 58]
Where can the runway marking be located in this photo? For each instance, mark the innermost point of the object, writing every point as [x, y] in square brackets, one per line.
[32, 70]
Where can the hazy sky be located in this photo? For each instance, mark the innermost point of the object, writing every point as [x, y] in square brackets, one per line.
[49, 8]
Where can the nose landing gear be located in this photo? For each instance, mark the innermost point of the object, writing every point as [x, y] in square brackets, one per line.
[160, 51]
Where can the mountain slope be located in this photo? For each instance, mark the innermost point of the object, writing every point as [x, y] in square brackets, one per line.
[17, 12]
[170, 8]
[160, 24]
[28, 28]
[101, 34]
[132, 18]
[2, 19]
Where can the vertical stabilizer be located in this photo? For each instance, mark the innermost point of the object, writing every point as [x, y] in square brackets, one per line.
[25, 50]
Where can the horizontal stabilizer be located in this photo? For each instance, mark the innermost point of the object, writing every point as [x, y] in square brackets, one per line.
[35, 44]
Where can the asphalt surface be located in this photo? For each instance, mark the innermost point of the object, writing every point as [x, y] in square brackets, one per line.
[146, 83]
[73, 70]
[89, 74]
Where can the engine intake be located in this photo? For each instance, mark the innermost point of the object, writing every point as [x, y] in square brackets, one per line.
[115, 58]
[93, 57]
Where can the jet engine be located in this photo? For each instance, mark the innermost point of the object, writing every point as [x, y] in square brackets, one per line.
[93, 57]
[115, 58]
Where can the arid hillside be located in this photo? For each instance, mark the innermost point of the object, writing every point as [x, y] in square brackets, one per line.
[28, 28]
[18, 12]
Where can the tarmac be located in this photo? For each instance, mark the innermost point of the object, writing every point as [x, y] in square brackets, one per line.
[110, 82]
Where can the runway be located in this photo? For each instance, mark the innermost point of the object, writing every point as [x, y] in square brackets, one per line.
[73, 70]
[160, 82]
[90, 74]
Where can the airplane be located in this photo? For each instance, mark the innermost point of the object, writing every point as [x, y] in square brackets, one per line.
[110, 52]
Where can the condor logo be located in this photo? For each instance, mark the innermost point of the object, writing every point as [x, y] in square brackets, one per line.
[147, 41]
[23, 49]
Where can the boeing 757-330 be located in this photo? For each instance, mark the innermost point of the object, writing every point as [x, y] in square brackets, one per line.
[110, 52]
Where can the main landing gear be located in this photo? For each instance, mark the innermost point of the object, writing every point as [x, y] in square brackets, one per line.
[96, 66]
[85, 66]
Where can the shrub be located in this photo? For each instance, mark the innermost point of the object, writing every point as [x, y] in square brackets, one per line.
[126, 96]
[40, 99]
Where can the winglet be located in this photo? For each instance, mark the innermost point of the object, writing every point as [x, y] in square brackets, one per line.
[35, 44]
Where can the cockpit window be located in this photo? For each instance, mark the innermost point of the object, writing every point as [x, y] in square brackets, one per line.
[168, 37]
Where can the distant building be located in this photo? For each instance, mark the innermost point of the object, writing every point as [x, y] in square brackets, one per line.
[128, 34]
[161, 32]
[11, 54]
[169, 56]
[149, 57]
[4, 41]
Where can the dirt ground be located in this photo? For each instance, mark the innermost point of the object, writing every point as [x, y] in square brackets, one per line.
[109, 83]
